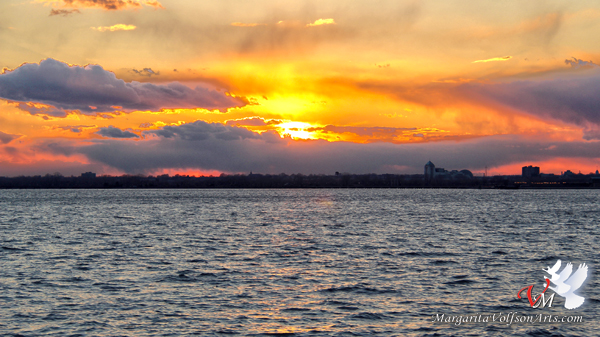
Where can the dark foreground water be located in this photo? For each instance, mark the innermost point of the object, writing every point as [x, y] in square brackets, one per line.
[290, 262]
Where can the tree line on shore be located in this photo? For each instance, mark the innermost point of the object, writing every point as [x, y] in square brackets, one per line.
[89, 180]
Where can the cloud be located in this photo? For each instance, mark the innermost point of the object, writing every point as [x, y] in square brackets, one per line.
[363, 134]
[113, 132]
[63, 12]
[505, 58]
[104, 4]
[321, 22]
[546, 26]
[114, 28]
[207, 146]
[252, 29]
[566, 95]
[239, 24]
[6, 138]
[41, 109]
[538, 31]
[383, 134]
[76, 128]
[580, 64]
[92, 90]
[284, 36]
[146, 72]
[200, 130]
[567, 98]
[253, 121]
[366, 131]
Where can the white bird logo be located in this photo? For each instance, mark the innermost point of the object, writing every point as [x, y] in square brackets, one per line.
[566, 283]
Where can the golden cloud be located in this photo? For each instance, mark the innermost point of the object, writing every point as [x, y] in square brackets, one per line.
[113, 28]
[505, 58]
[321, 22]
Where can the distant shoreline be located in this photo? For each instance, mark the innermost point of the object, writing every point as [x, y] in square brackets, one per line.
[299, 188]
[295, 181]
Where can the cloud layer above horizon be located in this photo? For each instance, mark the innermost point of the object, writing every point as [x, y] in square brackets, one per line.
[216, 147]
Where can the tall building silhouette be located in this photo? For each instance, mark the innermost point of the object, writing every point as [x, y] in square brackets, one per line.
[429, 170]
[530, 171]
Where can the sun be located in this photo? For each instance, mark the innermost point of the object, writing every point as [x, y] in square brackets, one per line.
[296, 130]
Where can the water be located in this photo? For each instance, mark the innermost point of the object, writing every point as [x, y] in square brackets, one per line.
[289, 262]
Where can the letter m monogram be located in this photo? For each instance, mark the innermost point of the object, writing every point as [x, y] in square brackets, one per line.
[542, 303]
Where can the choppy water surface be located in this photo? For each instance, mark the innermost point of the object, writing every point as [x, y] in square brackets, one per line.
[288, 262]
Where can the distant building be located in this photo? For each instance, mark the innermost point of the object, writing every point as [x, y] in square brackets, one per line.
[432, 172]
[429, 170]
[530, 171]
[439, 171]
[466, 173]
[88, 175]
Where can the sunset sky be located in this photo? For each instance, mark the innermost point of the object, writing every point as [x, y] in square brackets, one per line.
[231, 86]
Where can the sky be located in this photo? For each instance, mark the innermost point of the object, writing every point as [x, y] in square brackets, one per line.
[313, 87]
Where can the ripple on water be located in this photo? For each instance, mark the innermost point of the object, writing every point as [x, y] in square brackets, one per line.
[287, 262]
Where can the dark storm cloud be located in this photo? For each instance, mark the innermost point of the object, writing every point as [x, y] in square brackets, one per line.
[91, 90]
[6, 138]
[207, 146]
[113, 132]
